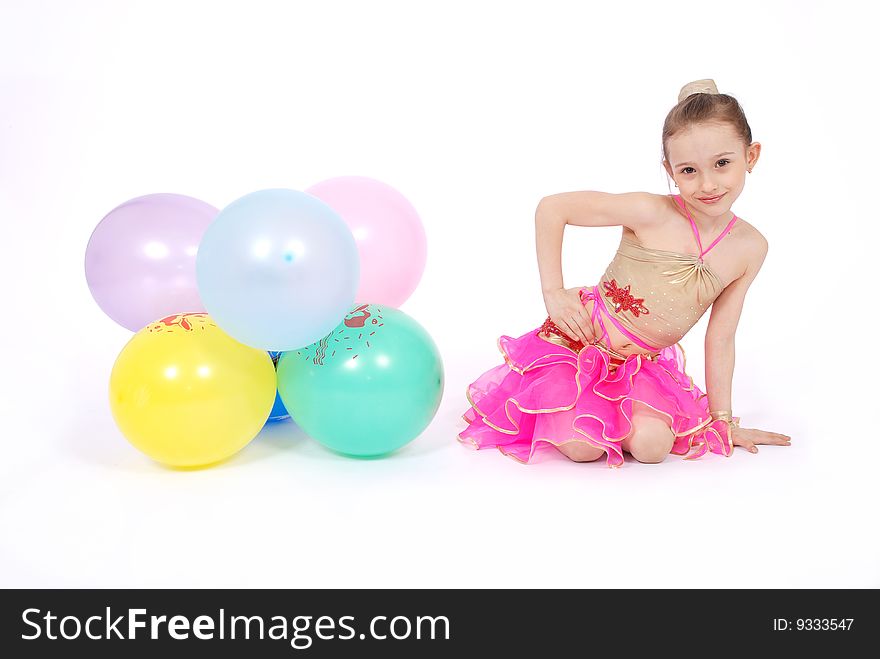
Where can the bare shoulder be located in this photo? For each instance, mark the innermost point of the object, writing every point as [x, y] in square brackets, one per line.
[655, 205]
[655, 213]
[753, 241]
[751, 248]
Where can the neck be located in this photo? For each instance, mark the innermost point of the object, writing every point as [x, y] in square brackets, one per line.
[704, 221]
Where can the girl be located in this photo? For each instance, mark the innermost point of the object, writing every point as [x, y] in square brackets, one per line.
[605, 373]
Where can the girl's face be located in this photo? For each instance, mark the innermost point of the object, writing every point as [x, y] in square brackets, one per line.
[708, 160]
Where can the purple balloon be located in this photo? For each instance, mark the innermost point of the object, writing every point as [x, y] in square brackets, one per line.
[141, 258]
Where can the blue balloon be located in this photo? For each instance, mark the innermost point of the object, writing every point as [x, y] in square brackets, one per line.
[279, 412]
[277, 269]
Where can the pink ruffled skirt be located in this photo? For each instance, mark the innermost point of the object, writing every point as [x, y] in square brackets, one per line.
[546, 394]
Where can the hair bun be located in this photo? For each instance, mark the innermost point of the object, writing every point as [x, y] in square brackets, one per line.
[704, 86]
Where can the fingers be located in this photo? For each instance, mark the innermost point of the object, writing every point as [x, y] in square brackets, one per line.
[579, 319]
[571, 327]
[775, 438]
[584, 327]
[582, 333]
[754, 437]
[575, 323]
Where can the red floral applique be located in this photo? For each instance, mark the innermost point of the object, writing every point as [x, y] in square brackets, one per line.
[623, 300]
[549, 327]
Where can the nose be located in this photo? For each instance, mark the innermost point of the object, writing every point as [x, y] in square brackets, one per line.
[708, 186]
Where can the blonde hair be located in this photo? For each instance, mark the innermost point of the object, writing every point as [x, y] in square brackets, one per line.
[699, 102]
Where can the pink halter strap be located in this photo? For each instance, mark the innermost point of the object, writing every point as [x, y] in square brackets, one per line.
[697, 233]
[599, 305]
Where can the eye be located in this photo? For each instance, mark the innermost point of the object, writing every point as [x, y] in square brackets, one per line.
[684, 170]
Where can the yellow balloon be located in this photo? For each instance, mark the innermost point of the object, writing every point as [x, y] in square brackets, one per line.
[187, 394]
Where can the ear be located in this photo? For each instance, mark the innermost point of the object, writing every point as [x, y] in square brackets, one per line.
[752, 153]
[668, 168]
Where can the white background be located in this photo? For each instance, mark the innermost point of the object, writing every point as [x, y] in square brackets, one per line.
[474, 111]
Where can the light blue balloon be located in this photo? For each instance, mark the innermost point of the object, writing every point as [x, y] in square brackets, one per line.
[277, 269]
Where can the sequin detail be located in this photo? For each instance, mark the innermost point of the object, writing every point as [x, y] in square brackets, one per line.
[623, 300]
[549, 327]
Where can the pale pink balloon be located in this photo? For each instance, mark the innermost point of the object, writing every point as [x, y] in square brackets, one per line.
[389, 234]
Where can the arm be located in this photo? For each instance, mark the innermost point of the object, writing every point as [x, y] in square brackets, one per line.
[721, 331]
[587, 208]
[720, 336]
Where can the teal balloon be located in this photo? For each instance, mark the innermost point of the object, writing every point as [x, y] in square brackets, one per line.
[367, 388]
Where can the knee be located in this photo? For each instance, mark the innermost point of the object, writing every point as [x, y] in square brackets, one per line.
[580, 451]
[651, 443]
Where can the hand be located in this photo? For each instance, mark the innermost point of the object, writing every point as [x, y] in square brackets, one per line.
[749, 437]
[565, 308]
